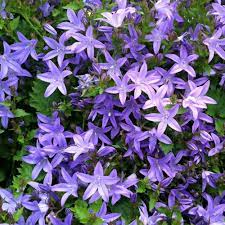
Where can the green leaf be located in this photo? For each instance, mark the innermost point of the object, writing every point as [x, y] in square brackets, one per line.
[1, 131]
[74, 5]
[126, 208]
[81, 212]
[20, 113]
[97, 221]
[143, 185]
[96, 206]
[166, 148]
[2, 175]
[13, 24]
[153, 199]
[39, 102]
[220, 126]
[18, 214]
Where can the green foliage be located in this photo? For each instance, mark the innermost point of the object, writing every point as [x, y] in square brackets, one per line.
[20, 113]
[74, 5]
[166, 148]
[84, 214]
[20, 181]
[143, 185]
[127, 209]
[39, 102]
[18, 214]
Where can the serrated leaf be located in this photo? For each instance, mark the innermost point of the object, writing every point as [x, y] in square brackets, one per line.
[95, 207]
[143, 185]
[18, 214]
[153, 199]
[220, 126]
[20, 113]
[81, 212]
[39, 102]
[74, 5]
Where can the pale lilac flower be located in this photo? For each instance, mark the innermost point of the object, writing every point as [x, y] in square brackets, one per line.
[82, 144]
[67, 221]
[5, 114]
[165, 118]
[122, 88]
[214, 45]
[85, 42]
[219, 12]
[56, 79]
[142, 81]
[196, 98]
[182, 62]
[157, 98]
[98, 183]
[115, 19]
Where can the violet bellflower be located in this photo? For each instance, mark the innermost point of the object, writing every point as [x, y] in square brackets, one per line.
[75, 23]
[69, 187]
[85, 42]
[214, 44]
[7, 62]
[122, 88]
[67, 221]
[115, 19]
[5, 114]
[182, 62]
[58, 49]
[165, 118]
[218, 145]
[209, 178]
[107, 218]
[24, 48]
[196, 98]
[98, 182]
[56, 79]
[82, 144]
[142, 81]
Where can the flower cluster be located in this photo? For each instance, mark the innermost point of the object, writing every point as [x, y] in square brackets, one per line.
[146, 136]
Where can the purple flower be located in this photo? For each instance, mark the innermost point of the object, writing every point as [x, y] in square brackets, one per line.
[107, 218]
[67, 221]
[7, 62]
[85, 42]
[165, 118]
[59, 49]
[219, 12]
[115, 19]
[214, 45]
[182, 62]
[75, 23]
[56, 79]
[156, 36]
[24, 48]
[157, 98]
[213, 214]
[141, 81]
[218, 145]
[98, 183]
[112, 65]
[196, 98]
[209, 178]
[5, 114]
[122, 88]
[82, 144]
[70, 186]
[149, 220]
[158, 166]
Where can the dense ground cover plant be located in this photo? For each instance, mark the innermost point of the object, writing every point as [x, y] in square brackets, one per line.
[112, 112]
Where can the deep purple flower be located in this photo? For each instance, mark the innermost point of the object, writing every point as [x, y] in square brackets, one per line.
[209, 178]
[56, 79]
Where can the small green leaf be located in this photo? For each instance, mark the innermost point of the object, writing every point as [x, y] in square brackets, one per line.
[153, 199]
[166, 148]
[20, 113]
[18, 214]
[74, 5]
[1, 131]
[97, 221]
[96, 206]
[13, 24]
[220, 126]
[143, 185]
[81, 212]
